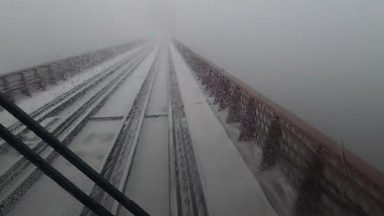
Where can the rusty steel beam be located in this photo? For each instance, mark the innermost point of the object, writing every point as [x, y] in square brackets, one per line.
[319, 168]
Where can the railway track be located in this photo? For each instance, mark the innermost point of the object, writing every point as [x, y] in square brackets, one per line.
[130, 127]
[63, 117]
[117, 165]
[150, 130]
[64, 100]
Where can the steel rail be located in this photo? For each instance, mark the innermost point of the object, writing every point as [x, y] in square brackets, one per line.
[61, 126]
[70, 156]
[67, 98]
[50, 171]
[124, 142]
[187, 192]
[51, 154]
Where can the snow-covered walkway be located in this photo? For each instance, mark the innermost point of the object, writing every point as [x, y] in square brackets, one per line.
[229, 186]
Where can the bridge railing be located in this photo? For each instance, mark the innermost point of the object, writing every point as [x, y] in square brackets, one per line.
[25, 81]
[328, 179]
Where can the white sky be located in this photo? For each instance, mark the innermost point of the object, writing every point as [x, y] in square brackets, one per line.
[36, 31]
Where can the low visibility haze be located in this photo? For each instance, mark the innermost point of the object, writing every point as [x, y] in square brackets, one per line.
[320, 59]
[37, 31]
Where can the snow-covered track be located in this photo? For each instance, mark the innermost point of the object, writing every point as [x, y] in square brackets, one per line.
[61, 102]
[117, 165]
[64, 119]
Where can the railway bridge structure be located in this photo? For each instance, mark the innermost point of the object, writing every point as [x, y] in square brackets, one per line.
[176, 134]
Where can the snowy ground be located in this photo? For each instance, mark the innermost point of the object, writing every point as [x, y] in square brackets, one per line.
[229, 186]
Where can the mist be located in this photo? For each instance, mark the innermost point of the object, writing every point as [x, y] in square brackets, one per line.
[38, 31]
[322, 60]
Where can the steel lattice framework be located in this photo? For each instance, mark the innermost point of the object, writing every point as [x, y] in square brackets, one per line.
[328, 179]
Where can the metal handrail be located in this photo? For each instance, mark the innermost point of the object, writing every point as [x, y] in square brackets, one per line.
[38, 77]
[341, 174]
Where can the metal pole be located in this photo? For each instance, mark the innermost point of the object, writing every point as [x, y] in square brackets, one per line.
[50, 171]
[71, 157]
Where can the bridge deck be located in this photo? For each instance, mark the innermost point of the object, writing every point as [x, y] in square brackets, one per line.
[181, 136]
[154, 138]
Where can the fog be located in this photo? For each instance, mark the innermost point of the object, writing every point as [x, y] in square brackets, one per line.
[320, 59]
[37, 31]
